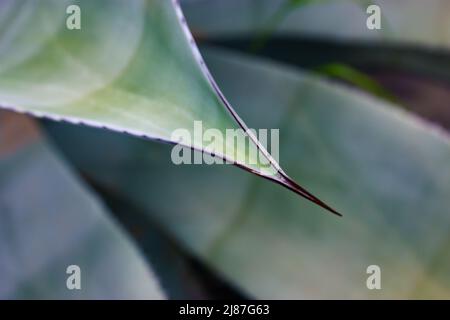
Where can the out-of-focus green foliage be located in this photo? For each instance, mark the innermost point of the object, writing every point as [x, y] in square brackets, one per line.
[358, 79]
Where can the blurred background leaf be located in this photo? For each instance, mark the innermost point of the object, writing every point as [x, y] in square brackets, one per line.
[49, 220]
[405, 21]
[181, 274]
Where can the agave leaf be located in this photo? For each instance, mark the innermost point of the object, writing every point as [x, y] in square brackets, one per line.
[49, 220]
[386, 168]
[133, 67]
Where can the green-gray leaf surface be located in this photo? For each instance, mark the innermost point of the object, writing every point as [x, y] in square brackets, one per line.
[387, 169]
[132, 67]
[48, 221]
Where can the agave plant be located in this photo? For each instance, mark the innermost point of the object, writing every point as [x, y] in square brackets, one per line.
[85, 183]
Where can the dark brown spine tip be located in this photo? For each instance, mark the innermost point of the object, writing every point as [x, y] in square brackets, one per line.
[295, 187]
